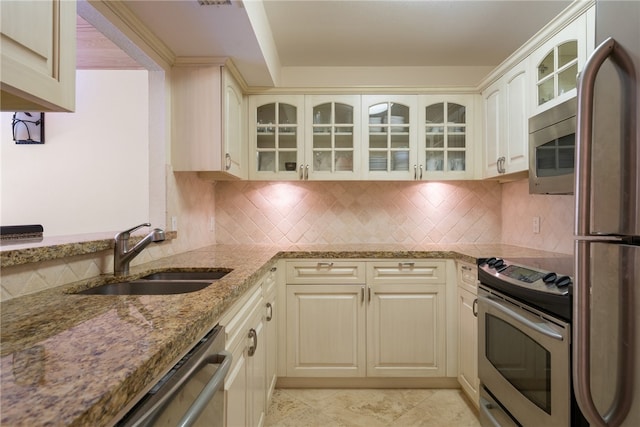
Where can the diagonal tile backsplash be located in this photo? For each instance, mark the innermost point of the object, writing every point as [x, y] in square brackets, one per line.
[358, 212]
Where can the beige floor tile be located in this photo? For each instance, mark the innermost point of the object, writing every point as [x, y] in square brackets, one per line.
[370, 408]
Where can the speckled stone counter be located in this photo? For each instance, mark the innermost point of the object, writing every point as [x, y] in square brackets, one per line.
[68, 359]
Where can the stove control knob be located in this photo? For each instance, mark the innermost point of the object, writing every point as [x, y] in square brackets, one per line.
[490, 261]
[499, 263]
[563, 281]
[549, 278]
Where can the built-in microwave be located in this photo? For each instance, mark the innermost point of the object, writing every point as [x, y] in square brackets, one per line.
[552, 148]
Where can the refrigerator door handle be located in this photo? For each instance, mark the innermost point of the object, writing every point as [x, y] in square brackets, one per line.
[581, 303]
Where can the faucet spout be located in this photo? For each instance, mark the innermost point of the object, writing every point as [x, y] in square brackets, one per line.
[122, 254]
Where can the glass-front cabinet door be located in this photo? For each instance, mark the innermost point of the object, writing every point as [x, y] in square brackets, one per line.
[332, 137]
[446, 125]
[276, 128]
[389, 143]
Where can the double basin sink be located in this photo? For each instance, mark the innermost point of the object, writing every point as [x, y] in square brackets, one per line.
[161, 283]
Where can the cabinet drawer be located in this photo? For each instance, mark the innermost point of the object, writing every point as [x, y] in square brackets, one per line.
[468, 277]
[407, 272]
[325, 272]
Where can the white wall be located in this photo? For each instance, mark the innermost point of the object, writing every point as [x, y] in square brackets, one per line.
[92, 173]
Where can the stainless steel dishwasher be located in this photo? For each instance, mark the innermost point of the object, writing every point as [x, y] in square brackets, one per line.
[190, 394]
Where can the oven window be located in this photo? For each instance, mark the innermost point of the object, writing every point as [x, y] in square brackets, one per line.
[556, 158]
[520, 360]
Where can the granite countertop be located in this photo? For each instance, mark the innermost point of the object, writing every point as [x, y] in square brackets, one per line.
[68, 359]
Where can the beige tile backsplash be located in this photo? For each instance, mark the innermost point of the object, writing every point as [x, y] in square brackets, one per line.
[330, 212]
[358, 212]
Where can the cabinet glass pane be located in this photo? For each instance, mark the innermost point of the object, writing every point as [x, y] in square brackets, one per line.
[546, 67]
[322, 161]
[456, 113]
[344, 113]
[456, 160]
[435, 113]
[567, 79]
[378, 141]
[344, 161]
[287, 114]
[567, 52]
[399, 110]
[400, 161]
[456, 141]
[286, 157]
[267, 161]
[322, 114]
[344, 139]
[435, 140]
[287, 140]
[266, 115]
[378, 161]
[377, 113]
[267, 140]
[545, 91]
[434, 161]
[400, 140]
[322, 141]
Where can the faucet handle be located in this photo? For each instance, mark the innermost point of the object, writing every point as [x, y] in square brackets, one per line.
[125, 234]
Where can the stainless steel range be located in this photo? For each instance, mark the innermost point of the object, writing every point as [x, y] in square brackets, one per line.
[524, 342]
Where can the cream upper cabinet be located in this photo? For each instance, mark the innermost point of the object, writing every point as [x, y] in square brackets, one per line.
[38, 55]
[446, 137]
[332, 137]
[276, 132]
[208, 116]
[506, 123]
[390, 137]
[557, 62]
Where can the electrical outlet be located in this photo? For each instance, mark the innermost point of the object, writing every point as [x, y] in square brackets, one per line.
[174, 223]
[536, 225]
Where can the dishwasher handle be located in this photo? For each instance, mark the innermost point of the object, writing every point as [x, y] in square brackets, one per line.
[224, 359]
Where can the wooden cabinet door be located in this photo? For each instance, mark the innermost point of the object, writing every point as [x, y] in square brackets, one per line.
[468, 344]
[38, 55]
[325, 331]
[516, 141]
[406, 331]
[492, 99]
[256, 369]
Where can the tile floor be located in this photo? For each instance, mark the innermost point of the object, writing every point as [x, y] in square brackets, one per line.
[371, 408]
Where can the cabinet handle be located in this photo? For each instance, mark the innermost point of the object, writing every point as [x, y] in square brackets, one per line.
[301, 171]
[415, 172]
[227, 161]
[475, 307]
[369, 298]
[362, 294]
[270, 315]
[273, 269]
[466, 267]
[254, 336]
[306, 172]
[420, 171]
[500, 164]
[402, 265]
[325, 264]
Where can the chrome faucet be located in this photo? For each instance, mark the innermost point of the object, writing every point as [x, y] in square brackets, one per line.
[122, 255]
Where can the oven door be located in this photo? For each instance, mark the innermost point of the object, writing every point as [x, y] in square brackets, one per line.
[524, 360]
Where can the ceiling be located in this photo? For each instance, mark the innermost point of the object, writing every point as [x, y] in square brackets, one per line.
[269, 34]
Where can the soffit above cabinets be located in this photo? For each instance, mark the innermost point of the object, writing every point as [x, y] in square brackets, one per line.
[94, 51]
[268, 36]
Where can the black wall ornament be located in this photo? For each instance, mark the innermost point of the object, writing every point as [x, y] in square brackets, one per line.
[28, 128]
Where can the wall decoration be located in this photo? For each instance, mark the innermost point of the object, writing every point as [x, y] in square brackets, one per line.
[28, 127]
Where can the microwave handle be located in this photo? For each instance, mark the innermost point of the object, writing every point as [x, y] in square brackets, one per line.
[581, 303]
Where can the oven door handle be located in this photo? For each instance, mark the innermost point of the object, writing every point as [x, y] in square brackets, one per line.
[223, 358]
[542, 328]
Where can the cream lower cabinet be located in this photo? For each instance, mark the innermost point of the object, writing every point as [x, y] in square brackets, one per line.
[468, 331]
[271, 331]
[245, 386]
[373, 319]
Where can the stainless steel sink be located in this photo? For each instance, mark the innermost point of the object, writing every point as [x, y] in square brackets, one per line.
[161, 283]
[148, 287]
[186, 275]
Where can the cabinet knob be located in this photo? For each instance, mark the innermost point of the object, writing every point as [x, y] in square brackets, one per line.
[270, 315]
[227, 161]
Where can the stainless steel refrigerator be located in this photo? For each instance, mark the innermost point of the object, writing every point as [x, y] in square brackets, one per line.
[606, 306]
